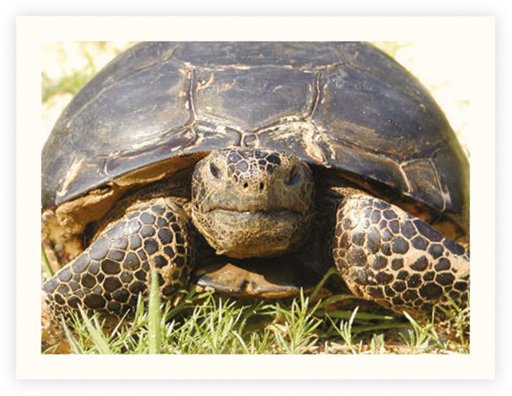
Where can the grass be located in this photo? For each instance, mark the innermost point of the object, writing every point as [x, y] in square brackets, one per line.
[203, 323]
[70, 82]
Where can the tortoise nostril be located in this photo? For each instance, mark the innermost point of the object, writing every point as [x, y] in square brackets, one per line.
[246, 185]
[262, 186]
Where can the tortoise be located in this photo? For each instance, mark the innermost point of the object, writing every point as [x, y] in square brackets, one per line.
[251, 168]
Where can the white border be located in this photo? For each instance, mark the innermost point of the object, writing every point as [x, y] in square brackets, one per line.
[466, 33]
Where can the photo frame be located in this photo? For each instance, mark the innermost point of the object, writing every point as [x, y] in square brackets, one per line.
[478, 364]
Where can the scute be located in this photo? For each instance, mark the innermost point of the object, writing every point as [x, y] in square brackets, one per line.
[252, 98]
[290, 55]
[160, 108]
[342, 105]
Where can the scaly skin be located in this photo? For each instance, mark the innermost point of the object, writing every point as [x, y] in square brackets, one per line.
[259, 203]
[386, 255]
[109, 275]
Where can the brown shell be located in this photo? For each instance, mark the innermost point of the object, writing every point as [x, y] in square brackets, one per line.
[345, 105]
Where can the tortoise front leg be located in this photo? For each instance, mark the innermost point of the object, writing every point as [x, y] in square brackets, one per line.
[111, 273]
[386, 255]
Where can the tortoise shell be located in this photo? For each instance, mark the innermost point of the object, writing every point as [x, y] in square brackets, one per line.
[346, 106]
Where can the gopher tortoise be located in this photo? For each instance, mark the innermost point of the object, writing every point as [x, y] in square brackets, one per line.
[251, 168]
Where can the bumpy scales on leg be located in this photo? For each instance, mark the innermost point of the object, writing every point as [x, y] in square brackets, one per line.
[386, 255]
[111, 273]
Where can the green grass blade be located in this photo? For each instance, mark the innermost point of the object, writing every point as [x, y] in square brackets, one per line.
[96, 334]
[348, 314]
[46, 263]
[154, 316]
[76, 348]
[317, 288]
[379, 327]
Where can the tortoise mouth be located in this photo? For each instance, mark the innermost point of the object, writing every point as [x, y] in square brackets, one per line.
[251, 233]
[256, 213]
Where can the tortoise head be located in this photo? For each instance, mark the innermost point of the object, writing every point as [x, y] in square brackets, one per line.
[252, 202]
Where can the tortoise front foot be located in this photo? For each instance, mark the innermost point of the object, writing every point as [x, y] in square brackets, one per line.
[111, 273]
[386, 255]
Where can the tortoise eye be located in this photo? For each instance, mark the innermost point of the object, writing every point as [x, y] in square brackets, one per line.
[294, 175]
[215, 171]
